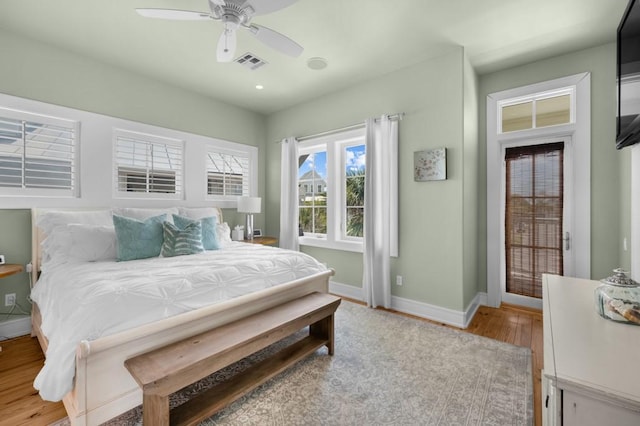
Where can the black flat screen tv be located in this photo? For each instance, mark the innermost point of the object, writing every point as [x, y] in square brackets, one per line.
[628, 132]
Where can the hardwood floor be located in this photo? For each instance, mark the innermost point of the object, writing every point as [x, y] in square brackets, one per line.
[21, 359]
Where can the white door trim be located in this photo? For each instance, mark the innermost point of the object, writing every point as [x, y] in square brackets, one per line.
[580, 133]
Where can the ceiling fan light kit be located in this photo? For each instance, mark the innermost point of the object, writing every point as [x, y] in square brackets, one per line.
[234, 14]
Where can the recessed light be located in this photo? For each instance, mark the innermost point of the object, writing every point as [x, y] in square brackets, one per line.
[317, 63]
[259, 86]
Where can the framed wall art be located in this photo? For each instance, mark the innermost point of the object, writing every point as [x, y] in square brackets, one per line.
[430, 165]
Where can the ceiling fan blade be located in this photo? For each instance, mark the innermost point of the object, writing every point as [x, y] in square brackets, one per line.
[262, 7]
[276, 40]
[174, 14]
[226, 45]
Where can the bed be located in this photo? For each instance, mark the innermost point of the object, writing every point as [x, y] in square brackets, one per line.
[101, 388]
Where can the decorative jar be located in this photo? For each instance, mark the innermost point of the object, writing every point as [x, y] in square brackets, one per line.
[618, 298]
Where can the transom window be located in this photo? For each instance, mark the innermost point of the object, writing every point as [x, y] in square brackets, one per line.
[37, 154]
[227, 174]
[147, 166]
[231, 171]
[331, 190]
[533, 112]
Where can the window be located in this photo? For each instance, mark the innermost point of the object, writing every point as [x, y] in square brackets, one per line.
[231, 172]
[331, 190]
[37, 154]
[534, 112]
[313, 204]
[147, 166]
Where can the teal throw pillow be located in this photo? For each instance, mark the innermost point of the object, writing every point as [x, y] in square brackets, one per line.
[179, 242]
[209, 229]
[138, 239]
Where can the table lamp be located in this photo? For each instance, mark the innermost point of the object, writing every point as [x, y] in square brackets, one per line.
[249, 205]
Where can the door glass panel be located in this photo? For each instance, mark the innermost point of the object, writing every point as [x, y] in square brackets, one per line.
[553, 111]
[533, 216]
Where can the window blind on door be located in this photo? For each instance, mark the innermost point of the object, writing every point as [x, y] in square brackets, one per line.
[533, 216]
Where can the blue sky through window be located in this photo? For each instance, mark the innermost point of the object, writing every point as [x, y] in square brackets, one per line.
[317, 161]
[355, 159]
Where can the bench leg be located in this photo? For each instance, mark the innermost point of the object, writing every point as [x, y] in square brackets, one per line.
[324, 330]
[155, 410]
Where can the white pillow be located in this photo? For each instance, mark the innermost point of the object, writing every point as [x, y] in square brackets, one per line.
[143, 214]
[224, 234]
[50, 220]
[86, 243]
[200, 212]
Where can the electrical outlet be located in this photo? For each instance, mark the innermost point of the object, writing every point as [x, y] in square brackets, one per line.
[10, 299]
[398, 279]
[29, 267]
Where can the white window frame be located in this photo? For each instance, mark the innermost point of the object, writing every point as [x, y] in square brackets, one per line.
[579, 132]
[236, 149]
[335, 145]
[534, 98]
[149, 139]
[74, 126]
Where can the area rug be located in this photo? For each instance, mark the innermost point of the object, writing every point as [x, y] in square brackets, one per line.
[387, 370]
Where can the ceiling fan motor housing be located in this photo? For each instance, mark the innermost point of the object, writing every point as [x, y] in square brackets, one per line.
[233, 11]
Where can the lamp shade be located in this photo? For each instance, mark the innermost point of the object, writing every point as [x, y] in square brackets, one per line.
[249, 204]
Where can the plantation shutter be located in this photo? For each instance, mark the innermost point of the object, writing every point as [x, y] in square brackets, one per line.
[37, 153]
[148, 165]
[228, 174]
[533, 216]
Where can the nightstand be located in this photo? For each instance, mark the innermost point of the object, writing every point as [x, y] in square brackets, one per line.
[9, 269]
[265, 241]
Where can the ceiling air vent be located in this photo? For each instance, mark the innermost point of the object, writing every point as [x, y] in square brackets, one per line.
[250, 61]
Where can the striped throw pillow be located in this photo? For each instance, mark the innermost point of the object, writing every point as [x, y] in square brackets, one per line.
[179, 242]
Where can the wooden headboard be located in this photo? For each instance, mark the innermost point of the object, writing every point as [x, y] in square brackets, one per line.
[38, 236]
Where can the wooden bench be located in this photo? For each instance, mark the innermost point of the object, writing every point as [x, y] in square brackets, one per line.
[168, 369]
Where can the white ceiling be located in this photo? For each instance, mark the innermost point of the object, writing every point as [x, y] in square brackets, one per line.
[361, 39]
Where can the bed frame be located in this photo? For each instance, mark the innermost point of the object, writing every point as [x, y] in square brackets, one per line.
[103, 388]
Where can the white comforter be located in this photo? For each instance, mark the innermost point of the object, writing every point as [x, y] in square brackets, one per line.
[84, 301]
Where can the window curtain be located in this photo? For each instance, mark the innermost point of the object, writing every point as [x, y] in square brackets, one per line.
[289, 195]
[380, 209]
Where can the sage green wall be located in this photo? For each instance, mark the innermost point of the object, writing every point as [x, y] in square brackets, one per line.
[45, 73]
[607, 175]
[469, 241]
[431, 213]
[15, 245]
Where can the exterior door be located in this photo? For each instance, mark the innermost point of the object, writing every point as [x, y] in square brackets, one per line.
[536, 226]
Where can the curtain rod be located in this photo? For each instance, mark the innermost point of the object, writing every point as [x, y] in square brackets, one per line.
[393, 117]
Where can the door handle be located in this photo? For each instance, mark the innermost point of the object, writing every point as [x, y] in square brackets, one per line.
[567, 241]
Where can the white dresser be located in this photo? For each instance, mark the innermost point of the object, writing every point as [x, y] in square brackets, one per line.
[591, 370]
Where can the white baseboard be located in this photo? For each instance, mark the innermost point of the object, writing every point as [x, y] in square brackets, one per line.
[15, 327]
[346, 290]
[420, 309]
[481, 299]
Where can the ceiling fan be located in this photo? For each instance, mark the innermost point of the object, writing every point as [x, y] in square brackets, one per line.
[235, 14]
